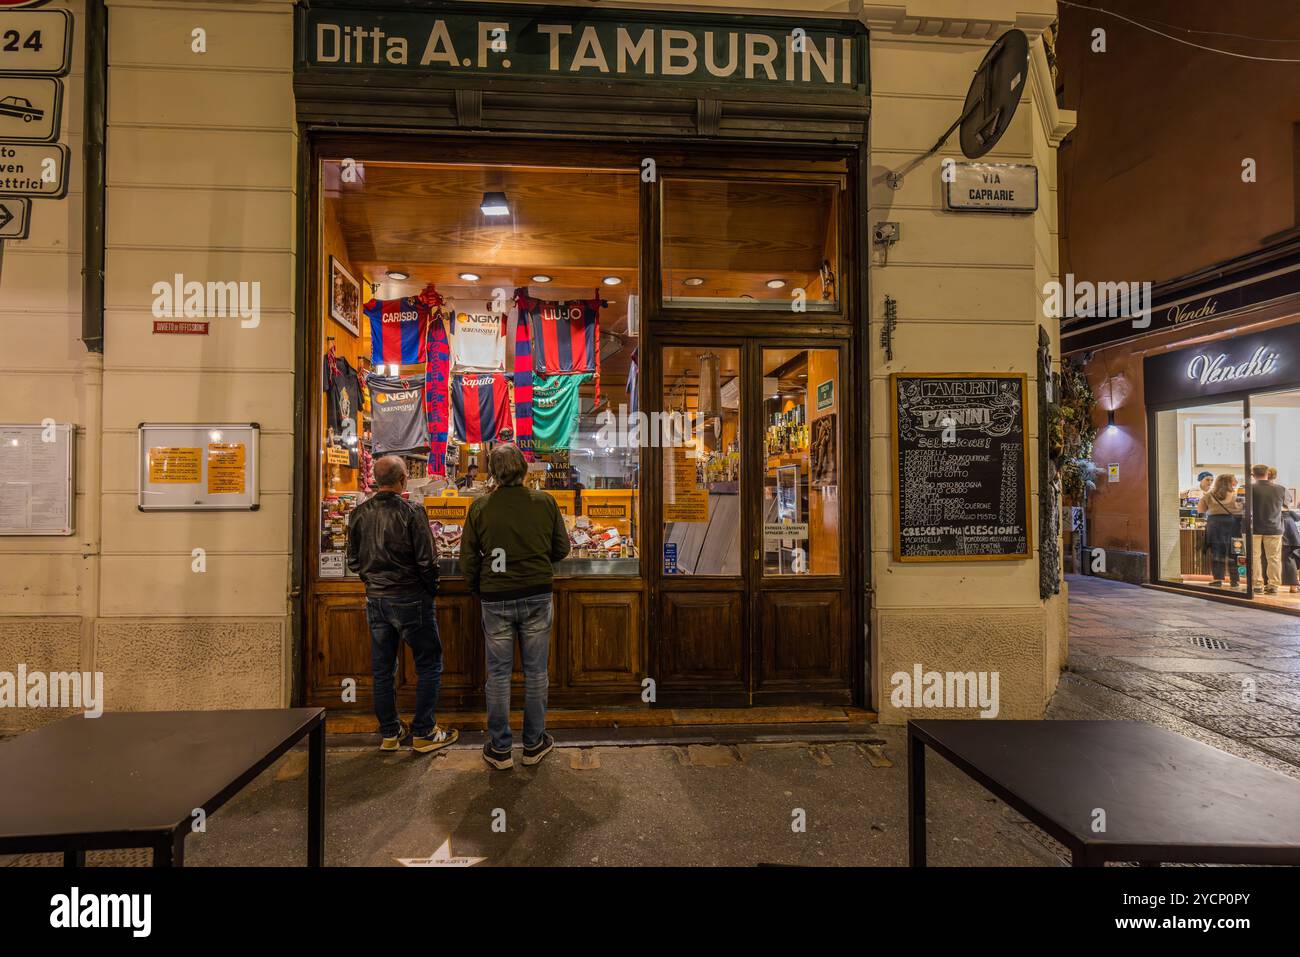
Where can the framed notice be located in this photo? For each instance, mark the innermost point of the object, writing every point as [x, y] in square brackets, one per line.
[194, 468]
[960, 467]
[345, 298]
[37, 495]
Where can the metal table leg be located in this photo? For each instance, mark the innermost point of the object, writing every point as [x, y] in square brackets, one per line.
[915, 800]
[316, 797]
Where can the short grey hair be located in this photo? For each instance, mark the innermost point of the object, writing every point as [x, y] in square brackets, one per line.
[506, 465]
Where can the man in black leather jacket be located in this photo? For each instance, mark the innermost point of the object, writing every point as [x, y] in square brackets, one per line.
[391, 548]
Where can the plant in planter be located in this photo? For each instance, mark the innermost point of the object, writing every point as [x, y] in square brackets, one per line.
[1073, 434]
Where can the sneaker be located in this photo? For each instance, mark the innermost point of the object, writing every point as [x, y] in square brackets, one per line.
[1270, 589]
[435, 740]
[501, 760]
[1215, 584]
[540, 750]
[394, 743]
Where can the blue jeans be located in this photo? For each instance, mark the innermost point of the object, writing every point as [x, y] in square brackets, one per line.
[529, 620]
[412, 620]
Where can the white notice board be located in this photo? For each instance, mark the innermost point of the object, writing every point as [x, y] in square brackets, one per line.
[195, 468]
[37, 495]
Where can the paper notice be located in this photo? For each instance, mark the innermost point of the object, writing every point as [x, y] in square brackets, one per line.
[226, 468]
[175, 466]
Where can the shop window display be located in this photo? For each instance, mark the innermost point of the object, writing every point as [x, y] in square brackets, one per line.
[475, 327]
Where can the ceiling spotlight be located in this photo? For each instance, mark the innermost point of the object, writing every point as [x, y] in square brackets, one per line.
[398, 275]
[776, 284]
[470, 276]
[612, 281]
[541, 278]
[693, 281]
[495, 204]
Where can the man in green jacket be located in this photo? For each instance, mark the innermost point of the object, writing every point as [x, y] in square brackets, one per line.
[512, 536]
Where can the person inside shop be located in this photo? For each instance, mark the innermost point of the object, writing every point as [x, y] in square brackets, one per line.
[1266, 501]
[1204, 482]
[512, 537]
[1222, 523]
[467, 480]
[391, 548]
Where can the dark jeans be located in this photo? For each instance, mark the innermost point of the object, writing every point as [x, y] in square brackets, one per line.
[411, 620]
[1218, 534]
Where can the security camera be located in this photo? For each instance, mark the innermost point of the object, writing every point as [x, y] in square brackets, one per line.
[884, 233]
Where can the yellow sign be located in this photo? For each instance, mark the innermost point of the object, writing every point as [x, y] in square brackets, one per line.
[226, 468]
[175, 466]
[685, 499]
[337, 455]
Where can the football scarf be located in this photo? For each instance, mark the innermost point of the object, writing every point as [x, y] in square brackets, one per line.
[480, 406]
[398, 329]
[523, 390]
[556, 406]
[565, 336]
[437, 364]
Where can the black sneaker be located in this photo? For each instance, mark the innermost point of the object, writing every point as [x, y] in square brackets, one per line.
[501, 760]
[540, 750]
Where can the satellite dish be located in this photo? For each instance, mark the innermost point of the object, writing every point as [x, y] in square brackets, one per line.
[994, 94]
[990, 103]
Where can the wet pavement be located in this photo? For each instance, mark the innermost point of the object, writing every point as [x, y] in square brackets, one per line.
[1231, 672]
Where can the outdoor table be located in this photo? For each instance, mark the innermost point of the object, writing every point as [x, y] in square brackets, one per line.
[1165, 797]
[135, 779]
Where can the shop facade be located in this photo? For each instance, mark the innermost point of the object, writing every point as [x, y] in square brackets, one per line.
[1208, 390]
[706, 186]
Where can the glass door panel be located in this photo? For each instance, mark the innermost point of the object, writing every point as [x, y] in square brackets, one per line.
[1200, 483]
[700, 440]
[801, 454]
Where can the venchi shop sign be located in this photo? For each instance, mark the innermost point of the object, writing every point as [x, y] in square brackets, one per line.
[555, 44]
[1254, 363]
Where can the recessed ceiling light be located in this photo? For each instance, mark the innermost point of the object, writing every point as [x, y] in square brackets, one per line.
[541, 279]
[470, 276]
[776, 284]
[398, 275]
[495, 204]
[693, 281]
[612, 281]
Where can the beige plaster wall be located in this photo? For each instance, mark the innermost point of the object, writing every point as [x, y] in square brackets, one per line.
[968, 288]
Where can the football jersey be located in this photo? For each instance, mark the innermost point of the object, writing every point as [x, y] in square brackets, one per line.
[398, 328]
[480, 406]
[557, 403]
[565, 335]
[478, 341]
[397, 422]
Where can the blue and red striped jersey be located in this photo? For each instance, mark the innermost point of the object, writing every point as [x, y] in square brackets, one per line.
[398, 328]
[565, 335]
[480, 406]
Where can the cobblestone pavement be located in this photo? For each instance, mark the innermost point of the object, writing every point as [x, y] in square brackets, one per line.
[1233, 672]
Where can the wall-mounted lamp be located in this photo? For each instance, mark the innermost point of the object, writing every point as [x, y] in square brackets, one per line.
[1110, 421]
[495, 204]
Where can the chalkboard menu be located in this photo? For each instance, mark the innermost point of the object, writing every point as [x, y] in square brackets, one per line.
[961, 467]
